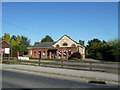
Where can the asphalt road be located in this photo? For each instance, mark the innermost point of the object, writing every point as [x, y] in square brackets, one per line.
[25, 79]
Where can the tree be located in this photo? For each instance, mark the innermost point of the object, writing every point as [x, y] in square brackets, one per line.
[109, 50]
[93, 48]
[81, 42]
[16, 43]
[47, 39]
[6, 37]
[13, 38]
[24, 43]
[115, 48]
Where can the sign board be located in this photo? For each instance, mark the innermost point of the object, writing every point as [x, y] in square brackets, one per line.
[23, 58]
[2, 50]
[7, 50]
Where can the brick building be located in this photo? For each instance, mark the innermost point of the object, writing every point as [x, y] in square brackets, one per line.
[62, 48]
[4, 45]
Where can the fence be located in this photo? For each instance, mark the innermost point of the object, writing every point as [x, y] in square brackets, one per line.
[71, 64]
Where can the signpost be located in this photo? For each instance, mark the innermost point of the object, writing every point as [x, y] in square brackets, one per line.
[2, 50]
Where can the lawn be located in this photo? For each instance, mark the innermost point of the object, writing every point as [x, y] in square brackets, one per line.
[34, 60]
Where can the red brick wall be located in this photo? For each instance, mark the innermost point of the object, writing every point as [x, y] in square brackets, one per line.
[73, 49]
[35, 52]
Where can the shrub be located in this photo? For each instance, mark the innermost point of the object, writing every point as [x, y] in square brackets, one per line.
[75, 56]
[27, 56]
[9, 58]
[9, 61]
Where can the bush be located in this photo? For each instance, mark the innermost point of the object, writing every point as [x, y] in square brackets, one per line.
[9, 58]
[9, 61]
[75, 56]
[27, 56]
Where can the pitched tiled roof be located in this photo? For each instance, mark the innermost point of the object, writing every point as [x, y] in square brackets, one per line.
[44, 44]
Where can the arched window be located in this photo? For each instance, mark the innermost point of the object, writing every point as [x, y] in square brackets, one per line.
[65, 44]
[73, 45]
[57, 45]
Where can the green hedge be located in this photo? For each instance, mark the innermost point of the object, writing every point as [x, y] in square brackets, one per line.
[27, 56]
[9, 61]
[9, 58]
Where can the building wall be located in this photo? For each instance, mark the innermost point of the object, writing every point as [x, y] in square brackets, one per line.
[65, 39]
[72, 49]
[5, 45]
[35, 52]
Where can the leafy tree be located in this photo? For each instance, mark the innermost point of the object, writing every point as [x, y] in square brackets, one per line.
[13, 38]
[93, 48]
[24, 43]
[105, 50]
[18, 39]
[109, 50]
[6, 37]
[16, 48]
[81, 42]
[16, 43]
[20, 43]
[115, 48]
[47, 39]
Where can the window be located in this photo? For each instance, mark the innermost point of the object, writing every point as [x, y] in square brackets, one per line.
[69, 52]
[57, 45]
[73, 45]
[44, 53]
[65, 44]
[34, 53]
[64, 53]
[30, 52]
[60, 53]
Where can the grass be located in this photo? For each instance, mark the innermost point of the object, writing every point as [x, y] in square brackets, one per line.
[34, 60]
[33, 64]
[31, 60]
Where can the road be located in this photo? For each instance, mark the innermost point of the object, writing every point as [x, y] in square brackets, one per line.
[24, 79]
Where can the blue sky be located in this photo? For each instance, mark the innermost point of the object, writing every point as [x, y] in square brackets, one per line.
[79, 20]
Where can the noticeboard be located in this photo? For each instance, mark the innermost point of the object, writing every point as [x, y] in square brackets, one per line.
[7, 50]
